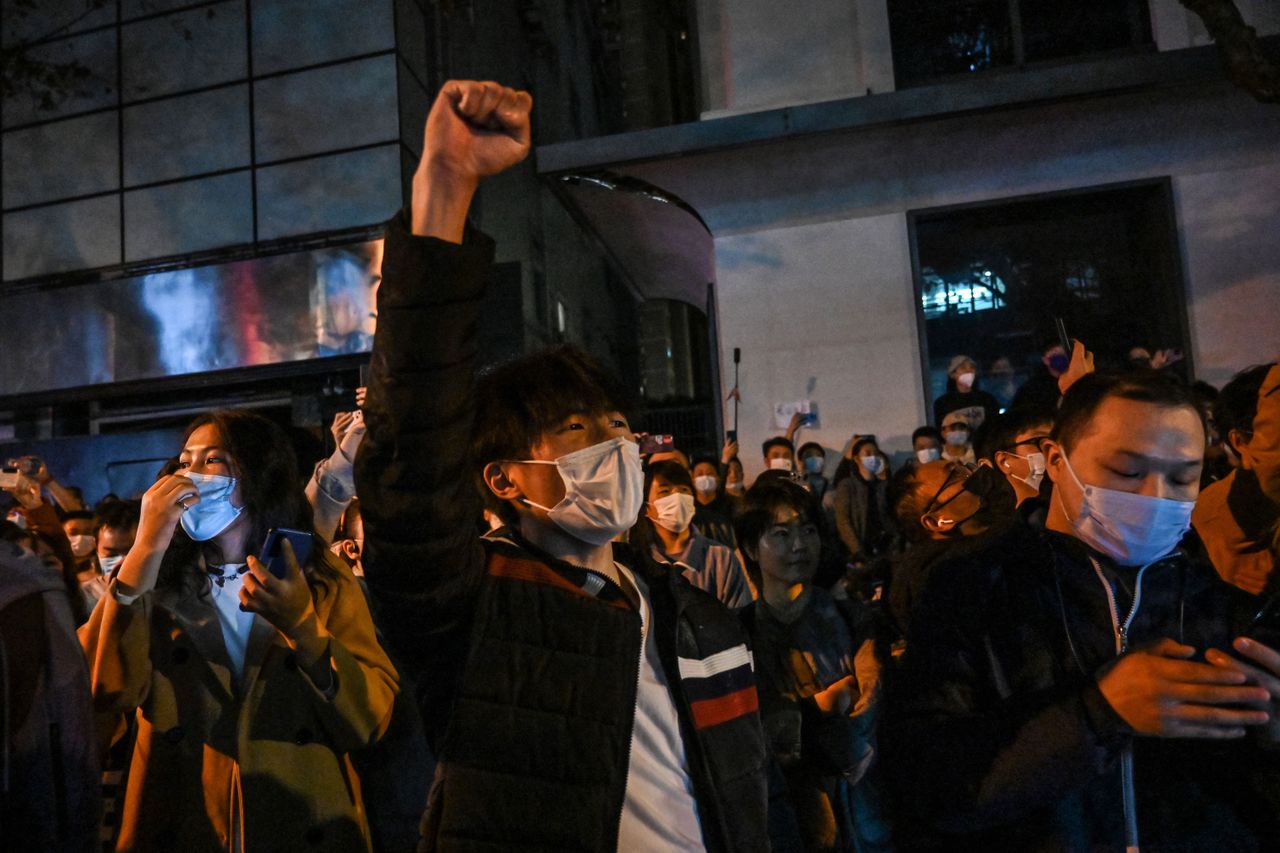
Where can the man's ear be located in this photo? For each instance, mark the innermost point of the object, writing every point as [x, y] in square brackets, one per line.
[1238, 443]
[1005, 461]
[1053, 459]
[495, 477]
[932, 524]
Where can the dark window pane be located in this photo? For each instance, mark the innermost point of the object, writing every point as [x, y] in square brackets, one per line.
[993, 277]
[1052, 29]
[936, 39]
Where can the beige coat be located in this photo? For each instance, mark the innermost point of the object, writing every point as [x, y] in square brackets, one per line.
[266, 763]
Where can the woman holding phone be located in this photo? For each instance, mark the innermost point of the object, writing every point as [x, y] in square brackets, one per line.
[248, 688]
[817, 668]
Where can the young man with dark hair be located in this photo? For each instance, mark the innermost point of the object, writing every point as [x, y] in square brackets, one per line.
[575, 703]
[1013, 444]
[1238, 517]
[926, 444]
[713, 515]
[779, 454]
[117, 526]
[1070, 689]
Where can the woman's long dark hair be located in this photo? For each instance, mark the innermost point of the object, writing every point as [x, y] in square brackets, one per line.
[264, 465]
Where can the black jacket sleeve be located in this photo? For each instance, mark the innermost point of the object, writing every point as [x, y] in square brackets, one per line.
[422, 557]
[969, 747]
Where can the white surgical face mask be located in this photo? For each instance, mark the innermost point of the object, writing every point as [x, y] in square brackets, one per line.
[82, 544]
[965, 380]
[1133, 530]
[214, 513]
[603, 490]
[779, 463]
[871, 464]
[956, 437]
[675, 512]
[735, 488]
[928, 454]
[110, 564]
[1035, 469]
[706, 483]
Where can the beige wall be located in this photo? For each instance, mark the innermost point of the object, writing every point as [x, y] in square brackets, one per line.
[822, 312]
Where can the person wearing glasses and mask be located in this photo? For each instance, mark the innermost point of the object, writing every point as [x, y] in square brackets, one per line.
[1014, 445]
[1086, 686]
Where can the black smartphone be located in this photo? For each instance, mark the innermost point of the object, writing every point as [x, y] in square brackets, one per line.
[273, 557]
[731, 435]
[1063, 338]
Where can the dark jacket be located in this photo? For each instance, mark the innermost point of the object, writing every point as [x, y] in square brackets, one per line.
[526, 666]
[999, 738]
[865, 528]
[50, 794]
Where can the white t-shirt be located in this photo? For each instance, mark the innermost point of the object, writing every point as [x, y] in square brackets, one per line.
[659, 812]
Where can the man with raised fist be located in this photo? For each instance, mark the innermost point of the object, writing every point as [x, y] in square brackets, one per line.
[577, 700]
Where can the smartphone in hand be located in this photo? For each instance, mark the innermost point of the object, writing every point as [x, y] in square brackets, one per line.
[652, 444]
[272, 555]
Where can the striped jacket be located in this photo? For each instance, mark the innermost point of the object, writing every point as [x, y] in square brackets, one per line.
[526, 666]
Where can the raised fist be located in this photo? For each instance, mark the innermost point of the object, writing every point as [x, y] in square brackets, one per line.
[475, 129]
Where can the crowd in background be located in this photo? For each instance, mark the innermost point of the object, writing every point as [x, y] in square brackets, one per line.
[486, 602]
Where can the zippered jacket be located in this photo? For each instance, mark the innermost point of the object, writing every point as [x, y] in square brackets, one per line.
[997, 736]
[526, 666]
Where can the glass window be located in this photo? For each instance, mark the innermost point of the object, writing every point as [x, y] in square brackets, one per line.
[325, 109]
[191, 216]
[293, 33]
[61, 237]
[934, 39]
[992, 278]
[84, 69]
[329, 193]
[186, 135]
[186, 50]
[61, 159]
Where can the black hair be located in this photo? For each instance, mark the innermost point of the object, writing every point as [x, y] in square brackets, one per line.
[671, 471]
[264, 465]
[1081, 402]
[704, 459]
[1000, 432]
[760, 505]
[811, 445]
[519, 400]
[78, 515]
[119, 515]
[777, 441]
[19, 535]
[1237, 403]
[926, 432]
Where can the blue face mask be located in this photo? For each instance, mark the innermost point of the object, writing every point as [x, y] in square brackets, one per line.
[814, 464]
[214, 513]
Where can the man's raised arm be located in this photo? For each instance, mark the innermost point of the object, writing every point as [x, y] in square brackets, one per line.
[416, 486]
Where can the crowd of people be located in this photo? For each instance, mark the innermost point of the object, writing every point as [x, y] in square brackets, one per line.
[486, 622]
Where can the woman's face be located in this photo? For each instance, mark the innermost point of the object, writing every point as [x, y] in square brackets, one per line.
[204, 454]
[789, 550]
[734, 472]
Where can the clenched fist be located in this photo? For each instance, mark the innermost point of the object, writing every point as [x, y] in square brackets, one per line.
[475, 129]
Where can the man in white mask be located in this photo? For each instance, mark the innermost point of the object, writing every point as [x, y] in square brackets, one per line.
[1061, 686]
[1014, 444]
[574, 698]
